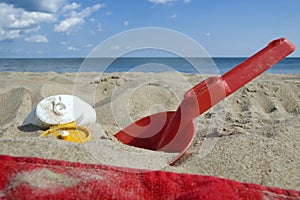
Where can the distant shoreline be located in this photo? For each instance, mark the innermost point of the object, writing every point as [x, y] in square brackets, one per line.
[129, 57]
[215, 65]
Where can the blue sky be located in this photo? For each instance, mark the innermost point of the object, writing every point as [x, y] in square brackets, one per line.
[66, 28]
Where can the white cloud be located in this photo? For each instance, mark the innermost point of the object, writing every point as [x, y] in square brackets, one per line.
[161, 1]
[37, 39]
[207, 34]
[28, 19]
[21, 18]
[67, 24]
[9, 34]
[126, 23]
[108, 13]
[187, 1]
[76, 18]
[174, 16]
[15, 22]
[48, 6]
[32, 30]
[89, 10]
[36, 5]
[72, 6]
[72, 48]
[11, 17]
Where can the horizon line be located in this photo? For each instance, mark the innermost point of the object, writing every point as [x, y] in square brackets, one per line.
[128, 57]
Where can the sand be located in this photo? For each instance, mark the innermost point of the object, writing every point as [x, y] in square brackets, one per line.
[251, 136]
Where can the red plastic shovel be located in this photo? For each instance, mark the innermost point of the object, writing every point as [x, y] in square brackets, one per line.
[174, 131]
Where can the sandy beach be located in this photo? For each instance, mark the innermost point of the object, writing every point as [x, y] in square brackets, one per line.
[251, 136]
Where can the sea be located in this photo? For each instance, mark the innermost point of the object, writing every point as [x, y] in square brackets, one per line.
[129, 64]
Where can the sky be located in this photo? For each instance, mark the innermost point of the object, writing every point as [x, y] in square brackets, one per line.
[67, 28]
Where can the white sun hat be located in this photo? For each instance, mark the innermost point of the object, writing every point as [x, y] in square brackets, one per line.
[61, 109]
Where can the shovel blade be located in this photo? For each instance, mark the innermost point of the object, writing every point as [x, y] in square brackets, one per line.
[150, 133]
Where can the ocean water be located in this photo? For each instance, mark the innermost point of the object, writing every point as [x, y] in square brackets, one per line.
[188, 65]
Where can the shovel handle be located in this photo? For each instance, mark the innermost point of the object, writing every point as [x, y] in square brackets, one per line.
[274, 52]
[212, 90]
